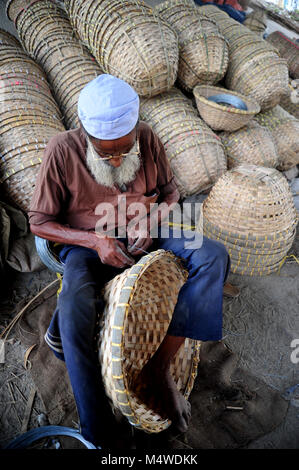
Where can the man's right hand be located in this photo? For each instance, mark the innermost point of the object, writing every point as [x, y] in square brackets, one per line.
[113, 252]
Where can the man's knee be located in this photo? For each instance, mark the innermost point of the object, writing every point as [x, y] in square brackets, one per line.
[211, 253]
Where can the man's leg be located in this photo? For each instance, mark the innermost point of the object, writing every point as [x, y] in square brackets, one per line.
[197, 315]
[72, 332]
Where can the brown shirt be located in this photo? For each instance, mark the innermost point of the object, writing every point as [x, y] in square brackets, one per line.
[67, 193]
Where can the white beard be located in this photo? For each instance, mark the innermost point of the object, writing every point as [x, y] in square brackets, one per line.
[106, 174]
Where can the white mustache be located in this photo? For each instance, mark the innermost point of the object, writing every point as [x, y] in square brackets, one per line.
[106, 174]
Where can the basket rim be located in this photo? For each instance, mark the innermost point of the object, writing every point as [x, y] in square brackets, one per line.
[250, 100]
[127, 291]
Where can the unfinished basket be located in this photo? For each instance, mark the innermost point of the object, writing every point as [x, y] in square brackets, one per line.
[285, 131]
[288, 49]
[203, 51]
[194, 151]
[128, 41]
[220, 117]
[139, 307]
[251, 211]
[29, 117]
[253, 144]
[48, 37]
[256, 22]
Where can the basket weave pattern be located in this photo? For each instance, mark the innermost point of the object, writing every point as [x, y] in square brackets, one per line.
[255, 68]
[129, 41]
[287, 49]
[47, 36]
[220, 117]
[203, 51]
[139, 306]
[29, 117]
[252, 144]
[285, 131]
[194, 151]
[251, 211]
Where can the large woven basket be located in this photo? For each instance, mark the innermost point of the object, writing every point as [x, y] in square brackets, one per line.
[288, 49]
[220, 117]
[48, 37]
[290, 102]
[256, 21]
[255, 68]
[203, 51]
[285, 131]
[139, 307]
[251, 211]
[194, 151]
[253, 144]
[129, 41]
[29, 117]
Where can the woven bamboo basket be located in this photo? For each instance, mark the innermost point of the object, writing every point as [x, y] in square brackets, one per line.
[285, 131]
[290, 102]
[128, 41]
[251, 211]
[29, 117]
[220, 117]
[255, 68]
[256, 22]
[48, 37]
[253, 144]
[194, 151]
[203, 51]
[139, 306]
[288, 49]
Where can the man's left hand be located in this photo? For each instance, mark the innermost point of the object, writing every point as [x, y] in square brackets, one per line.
[140, 245]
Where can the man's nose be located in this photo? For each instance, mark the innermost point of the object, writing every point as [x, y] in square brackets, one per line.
[116, 162]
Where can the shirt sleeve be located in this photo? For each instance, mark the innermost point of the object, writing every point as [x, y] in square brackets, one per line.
[50, 190]
[165, 178]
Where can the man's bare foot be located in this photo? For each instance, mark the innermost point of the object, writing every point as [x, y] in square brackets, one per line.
[230, 291]
[157, 389]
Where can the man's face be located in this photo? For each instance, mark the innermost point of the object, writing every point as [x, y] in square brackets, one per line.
[114, 148]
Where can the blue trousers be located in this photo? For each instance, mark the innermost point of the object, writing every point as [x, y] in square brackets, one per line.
[71, 334]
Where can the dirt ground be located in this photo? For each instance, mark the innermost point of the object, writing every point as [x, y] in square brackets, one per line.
[259, 327]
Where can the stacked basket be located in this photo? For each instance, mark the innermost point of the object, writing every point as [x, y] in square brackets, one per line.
[255, 68]
[285, 131]
[287, 49]
[139, 307]
[227, 117]
[29, 117]
[252, 144]
[203, 51]
[256, 22]
[47, 36]
[194, 151]
[129, 41]
[290, 102]
[251, 211]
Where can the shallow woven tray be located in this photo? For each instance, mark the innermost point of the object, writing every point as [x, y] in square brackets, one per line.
[220, 117]
[139, 307]
[251, 211]
[253, 144]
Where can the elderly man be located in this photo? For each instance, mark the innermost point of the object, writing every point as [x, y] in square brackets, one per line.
[111, 155]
